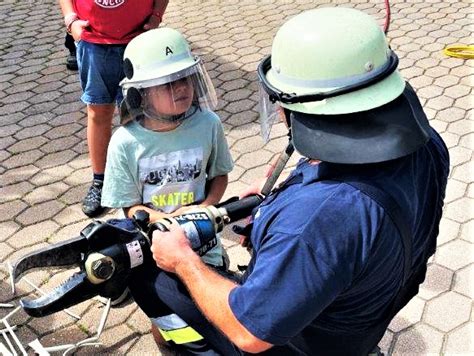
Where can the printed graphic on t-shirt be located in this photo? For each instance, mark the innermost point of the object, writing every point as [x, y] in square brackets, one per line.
[108, 4]
[173, 179]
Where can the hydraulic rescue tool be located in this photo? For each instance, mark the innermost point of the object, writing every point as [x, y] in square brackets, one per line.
[108, 255]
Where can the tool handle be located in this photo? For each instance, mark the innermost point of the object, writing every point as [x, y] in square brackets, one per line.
[242, 208]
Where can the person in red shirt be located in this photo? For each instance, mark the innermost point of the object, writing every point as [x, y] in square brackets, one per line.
[101, 30]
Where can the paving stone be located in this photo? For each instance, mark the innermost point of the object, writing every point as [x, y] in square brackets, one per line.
[15, 191]
[71, 333]
[246, 130]
[455, 254]
[118, 345]
[463, 281]
[5, 250]
[441, 103]
[243, 118]
[16, 175]
[27, 144]
[419, 340]
[454, 190]
[138, 321]
[67, 118]
[460, 210]
[32, 131]
[234, 189]
[438, 280]
[11, 209]
[464, 102]
[80, 176]
[146, 344]
[458, 156]
[56, 159]
[45, 192]
[7, 229]
[80, 162]
[447, 311]
[448, 230]
[249, 144]
[22, 159]
[13, 108]
[39, 108]
[470, 191]
[255, 159]
[467, 141]
[39, 212]
[456, 341]
[451, 140]
[51, 175]
[60, 144]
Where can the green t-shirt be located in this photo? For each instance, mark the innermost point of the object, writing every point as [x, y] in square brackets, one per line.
[166, 170]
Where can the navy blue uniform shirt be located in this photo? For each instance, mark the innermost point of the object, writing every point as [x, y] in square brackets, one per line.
[328, 257]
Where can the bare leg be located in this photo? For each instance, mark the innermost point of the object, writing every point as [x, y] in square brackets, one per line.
[99, 130]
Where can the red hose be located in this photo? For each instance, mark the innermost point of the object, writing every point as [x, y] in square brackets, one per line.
[387, 17]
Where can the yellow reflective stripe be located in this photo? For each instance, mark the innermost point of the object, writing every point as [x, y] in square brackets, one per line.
[181, 336]
[164, 334]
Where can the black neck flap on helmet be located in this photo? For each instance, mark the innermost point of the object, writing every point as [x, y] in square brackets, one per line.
[390, 131]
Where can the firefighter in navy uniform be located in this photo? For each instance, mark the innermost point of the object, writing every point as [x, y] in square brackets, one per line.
[343, 243]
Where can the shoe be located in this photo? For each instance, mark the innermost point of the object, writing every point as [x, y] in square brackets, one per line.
[71, 62]
[91, 203]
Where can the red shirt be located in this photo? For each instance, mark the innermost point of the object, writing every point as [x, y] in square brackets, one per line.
[113, 21]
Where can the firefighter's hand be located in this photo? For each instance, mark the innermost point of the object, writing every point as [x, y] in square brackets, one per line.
[170, 248]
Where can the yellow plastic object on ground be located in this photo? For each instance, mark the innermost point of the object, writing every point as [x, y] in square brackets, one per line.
[460, 51]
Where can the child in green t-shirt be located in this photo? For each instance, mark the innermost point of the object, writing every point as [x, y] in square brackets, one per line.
[172, 153]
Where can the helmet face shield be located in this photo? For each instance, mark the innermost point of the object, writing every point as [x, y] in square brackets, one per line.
[269, 114]
[168, 98]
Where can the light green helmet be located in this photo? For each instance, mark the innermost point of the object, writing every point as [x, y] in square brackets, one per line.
[161, 57]
[332, 72]
[156, 57]
[325, 49]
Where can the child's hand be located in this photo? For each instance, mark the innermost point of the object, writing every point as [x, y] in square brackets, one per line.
[77, 27]
[185, 209]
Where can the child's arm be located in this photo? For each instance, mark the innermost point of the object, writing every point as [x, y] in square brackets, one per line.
[154, 215]
[217, 187]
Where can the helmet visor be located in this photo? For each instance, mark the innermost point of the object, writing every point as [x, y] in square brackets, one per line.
[168, 98]
[269, 114]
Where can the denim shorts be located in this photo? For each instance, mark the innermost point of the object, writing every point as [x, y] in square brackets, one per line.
[100, 72]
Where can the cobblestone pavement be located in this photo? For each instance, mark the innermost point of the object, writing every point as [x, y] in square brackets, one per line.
[45, 170]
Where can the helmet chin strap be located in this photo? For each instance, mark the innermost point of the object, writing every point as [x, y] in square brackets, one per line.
[279, 166]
